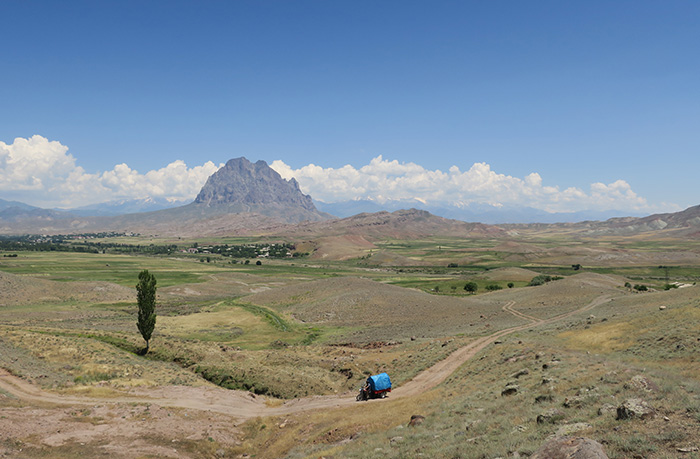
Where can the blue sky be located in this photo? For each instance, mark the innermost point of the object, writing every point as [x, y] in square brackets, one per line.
[578, 93]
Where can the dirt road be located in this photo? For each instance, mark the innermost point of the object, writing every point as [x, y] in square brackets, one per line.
[243, 405]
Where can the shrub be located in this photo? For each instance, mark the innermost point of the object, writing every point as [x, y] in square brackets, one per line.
[539, 280]
[493, 287]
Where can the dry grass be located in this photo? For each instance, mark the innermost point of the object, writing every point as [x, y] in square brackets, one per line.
[67, 360]
[603, 338]
[324, 433]
[19, 290]
[588, 366]
[374, 311]
[592, 361]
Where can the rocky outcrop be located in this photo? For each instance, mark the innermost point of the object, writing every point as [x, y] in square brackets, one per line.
[635, 408]
[510, 389]
[640, 382]
[551, 416]
[416, 420]
[244, 187]
[242, 182]
[520, 373]
[570, 448]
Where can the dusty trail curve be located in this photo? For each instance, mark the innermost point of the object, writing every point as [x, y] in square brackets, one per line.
[509, 308]
[243, 405]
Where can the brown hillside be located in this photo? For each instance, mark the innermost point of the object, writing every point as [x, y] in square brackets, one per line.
[564, 295]
[341, 247]
[17, 290]
[378, 311]
[402, 224]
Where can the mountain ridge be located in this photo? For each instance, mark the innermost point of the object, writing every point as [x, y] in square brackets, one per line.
[241, 186]
[247, 198]
[483, 213]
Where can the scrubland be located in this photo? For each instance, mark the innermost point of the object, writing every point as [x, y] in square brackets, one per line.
[264, 361]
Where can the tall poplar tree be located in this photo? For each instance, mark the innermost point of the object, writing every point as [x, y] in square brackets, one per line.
[146, 298]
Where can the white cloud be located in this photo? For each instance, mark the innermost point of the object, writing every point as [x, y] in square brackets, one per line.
[42, 173]
[383, 179]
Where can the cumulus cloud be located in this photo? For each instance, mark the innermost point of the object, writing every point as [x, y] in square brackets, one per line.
[382, 180]
[42, 173]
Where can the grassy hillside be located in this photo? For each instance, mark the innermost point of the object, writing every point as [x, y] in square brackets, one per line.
[301, 335]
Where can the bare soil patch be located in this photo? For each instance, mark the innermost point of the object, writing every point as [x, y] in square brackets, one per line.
[114, 430]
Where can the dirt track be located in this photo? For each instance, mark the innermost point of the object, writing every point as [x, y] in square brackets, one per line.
[243, 405]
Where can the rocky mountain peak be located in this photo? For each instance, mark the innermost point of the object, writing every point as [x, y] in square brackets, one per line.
[244, 187]
[250, 184]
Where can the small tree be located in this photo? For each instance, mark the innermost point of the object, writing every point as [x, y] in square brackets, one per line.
[146, 299]
[539, 280]
[471, 287]
[511, 285]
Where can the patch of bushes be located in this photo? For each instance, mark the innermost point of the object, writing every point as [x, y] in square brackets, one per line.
[311, 336]
[540, 280]
[471, 287]
[95, 376]
[228, 379]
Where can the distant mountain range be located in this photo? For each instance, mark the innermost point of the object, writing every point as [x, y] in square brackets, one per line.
[483, 213]
[4, 205]
[125, 206]
[14, 211]
[244, 198]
